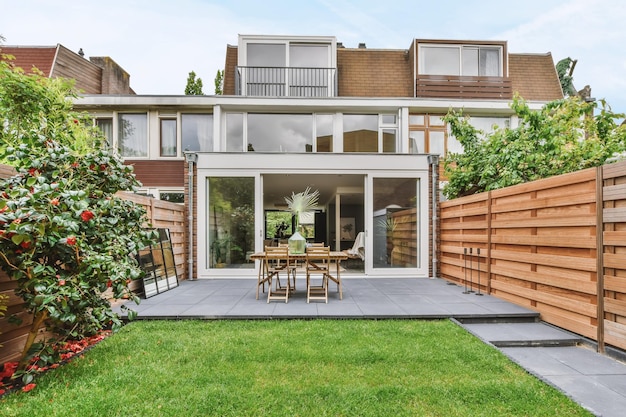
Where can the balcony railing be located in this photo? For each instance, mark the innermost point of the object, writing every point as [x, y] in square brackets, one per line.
[449, 86]
[285, 82]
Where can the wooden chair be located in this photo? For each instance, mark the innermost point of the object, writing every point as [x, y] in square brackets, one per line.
[276, 261]
[292, 265]
[317, 264]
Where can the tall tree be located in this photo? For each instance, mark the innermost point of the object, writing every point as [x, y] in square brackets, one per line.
[194, 85]
[564, 136]
[219, 83]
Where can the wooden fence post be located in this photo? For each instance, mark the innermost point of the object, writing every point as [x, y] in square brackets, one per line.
[600, 255]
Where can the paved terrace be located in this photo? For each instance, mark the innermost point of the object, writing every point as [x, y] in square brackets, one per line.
[559, 358]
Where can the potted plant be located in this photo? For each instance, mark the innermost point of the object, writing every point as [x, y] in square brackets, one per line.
[299, 203]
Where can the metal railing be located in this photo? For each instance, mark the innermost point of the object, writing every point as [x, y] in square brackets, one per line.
[285, 82]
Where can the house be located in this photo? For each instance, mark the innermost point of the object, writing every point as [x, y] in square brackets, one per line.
[362, 126]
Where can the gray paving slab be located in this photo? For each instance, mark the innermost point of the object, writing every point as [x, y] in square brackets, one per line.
[510, 334]
[595, 381]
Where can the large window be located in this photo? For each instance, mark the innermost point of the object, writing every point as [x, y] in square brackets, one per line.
[396, 231]
[230, 212]
[369, 133]
[280, 132]
[133, 134]
[468, 60]
[197, 132]
[324, 132]
[428, 134]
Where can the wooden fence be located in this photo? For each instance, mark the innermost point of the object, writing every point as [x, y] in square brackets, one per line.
[557, 246]
[160, 214]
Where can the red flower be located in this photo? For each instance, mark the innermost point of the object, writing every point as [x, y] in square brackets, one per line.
[71, 240]
[75, 121]
[28, 387]
[33, 171]
[17, 221]
[103, 167]
[25, 245]
[61, 282]
[86, 215]
[54, 201]
[109, 283]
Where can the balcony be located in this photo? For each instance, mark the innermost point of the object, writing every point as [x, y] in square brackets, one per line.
[285, 82]
[463, 87]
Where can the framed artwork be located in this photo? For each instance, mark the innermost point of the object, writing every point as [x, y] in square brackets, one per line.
[347, 228]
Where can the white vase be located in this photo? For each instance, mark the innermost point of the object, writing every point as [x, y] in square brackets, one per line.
[297, 243]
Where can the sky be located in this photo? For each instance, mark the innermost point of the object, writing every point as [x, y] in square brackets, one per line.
[158, 42]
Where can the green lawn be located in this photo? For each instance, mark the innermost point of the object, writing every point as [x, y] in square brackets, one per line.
[290, 368]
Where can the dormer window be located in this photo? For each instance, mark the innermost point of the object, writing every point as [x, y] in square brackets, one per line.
[279, 67]
[460, 60]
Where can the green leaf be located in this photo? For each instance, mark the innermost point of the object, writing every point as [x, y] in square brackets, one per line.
[17, 239]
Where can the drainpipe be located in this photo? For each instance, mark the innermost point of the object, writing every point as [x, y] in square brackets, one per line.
[433, 160]
[191, 159]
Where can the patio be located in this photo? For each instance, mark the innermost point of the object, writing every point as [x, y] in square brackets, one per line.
[367, 298]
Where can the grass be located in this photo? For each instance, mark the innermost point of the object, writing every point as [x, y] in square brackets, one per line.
[290, 368]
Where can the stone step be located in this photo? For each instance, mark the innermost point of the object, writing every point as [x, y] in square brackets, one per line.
[520, 334]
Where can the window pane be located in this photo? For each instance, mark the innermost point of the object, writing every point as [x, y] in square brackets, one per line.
[308, 56]
[324, 132]
[173, 197]
[389, 140]
[106, 127]
[440, 60]
[234, 132]
[168, 137]
[436, 142]
[389, 119]
[280, 132]
[416, 141]
[436, 121]
[360, 133]
[197, 132]
[395, 223]
[470, 61]
[489, 62]
[266, 55]
[133, 135]
[416, 120]
[230, 212]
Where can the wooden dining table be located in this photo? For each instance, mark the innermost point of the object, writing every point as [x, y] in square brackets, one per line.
[335, 256]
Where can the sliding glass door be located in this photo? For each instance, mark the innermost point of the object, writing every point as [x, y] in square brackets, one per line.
[395, 223]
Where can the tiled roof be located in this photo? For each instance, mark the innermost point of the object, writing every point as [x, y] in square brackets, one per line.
[27, 57]
[374, 73]
[534, 76]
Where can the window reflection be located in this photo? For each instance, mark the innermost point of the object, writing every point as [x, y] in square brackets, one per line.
[360, 133]
[280, 132]
[197, 132]
[133, 135]
[395, 218]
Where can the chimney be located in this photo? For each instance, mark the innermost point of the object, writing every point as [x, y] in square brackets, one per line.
[80, 52]
[362, 45]
[340, 45]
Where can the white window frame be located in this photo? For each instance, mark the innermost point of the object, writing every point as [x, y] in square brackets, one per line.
[459, 47]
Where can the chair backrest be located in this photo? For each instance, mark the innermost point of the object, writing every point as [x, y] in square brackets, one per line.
[277, 253]
[318, 254]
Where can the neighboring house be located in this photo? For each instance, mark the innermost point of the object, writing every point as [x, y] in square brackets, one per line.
[362, 126]
[97, 75]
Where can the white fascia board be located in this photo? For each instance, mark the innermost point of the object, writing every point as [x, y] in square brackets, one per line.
[294, 104]
[312, 162]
